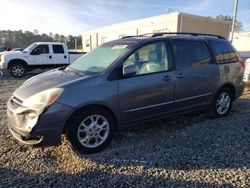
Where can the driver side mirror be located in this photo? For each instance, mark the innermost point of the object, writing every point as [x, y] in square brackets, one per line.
[129, 70]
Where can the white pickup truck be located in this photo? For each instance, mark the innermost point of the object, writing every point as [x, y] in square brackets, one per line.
[41, 55]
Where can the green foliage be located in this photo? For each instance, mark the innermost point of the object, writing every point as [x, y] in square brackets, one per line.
[229, 19]
[20, 39]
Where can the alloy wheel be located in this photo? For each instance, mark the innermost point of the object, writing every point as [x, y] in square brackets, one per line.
[93, 131]
[223, 103]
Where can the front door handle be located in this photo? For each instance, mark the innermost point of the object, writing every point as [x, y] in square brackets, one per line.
[180, 75]
[167, 78]
[50, 56]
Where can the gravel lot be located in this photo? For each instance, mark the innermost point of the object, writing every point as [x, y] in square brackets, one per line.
[191, 151]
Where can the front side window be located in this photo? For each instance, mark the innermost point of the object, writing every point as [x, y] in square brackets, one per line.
[41, 49]
[224, 52]
[57, 49]
[150, 58]
[188, 53]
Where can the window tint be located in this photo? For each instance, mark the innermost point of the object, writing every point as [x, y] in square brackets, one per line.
[41, 49]
[189, 53]
[58, 49]
[224, 52]
[150, 58]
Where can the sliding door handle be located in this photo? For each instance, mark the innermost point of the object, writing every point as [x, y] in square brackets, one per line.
[180, 75]
[167, 78]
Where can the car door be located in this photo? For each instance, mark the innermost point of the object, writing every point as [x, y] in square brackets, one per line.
[196, 76]
[150, 92]
[59, 55]
[40, 55]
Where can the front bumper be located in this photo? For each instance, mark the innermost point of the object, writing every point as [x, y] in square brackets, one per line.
[3, 65]
[47, 130]
[3, 68]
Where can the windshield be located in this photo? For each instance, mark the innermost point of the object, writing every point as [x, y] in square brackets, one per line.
[99, 59]
[29, 47]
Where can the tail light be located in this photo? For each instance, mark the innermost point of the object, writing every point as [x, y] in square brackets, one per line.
[242, 64]
[242, 61]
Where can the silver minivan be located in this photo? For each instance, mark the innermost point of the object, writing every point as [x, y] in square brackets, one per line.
[123, 82]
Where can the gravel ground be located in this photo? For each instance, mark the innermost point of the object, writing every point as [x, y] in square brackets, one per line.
[190, 151]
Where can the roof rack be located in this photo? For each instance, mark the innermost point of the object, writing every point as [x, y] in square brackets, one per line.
[173, 33]
[129, 36]
[185, 33]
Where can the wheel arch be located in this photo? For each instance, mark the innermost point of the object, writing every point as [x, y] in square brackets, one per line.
[87, 107]
[19, 61]
[229, 86]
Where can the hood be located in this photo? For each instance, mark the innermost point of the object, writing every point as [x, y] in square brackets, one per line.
[4, 52]
[14, 54]
[47, 80]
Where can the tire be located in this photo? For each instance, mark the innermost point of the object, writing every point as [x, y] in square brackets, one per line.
[17, 70]
[91, 130]
[222, 103]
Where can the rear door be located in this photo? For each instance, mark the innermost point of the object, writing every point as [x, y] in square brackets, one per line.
[231, 69]
[60, 56]
[196, 76]
[151, 91]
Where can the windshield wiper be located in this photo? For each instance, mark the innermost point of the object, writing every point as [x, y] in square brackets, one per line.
[69, 69]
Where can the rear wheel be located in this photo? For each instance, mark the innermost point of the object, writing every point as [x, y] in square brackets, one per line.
[90, 131]
[17, 70]
[222, 103]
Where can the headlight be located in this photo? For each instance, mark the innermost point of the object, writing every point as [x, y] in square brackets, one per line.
[43, 99]
[2, 58]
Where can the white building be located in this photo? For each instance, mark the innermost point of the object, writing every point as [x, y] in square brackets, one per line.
[172, 22]
[241, 41]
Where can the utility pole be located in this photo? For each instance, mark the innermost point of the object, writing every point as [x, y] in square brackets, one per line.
[75, 43]
[234, 19]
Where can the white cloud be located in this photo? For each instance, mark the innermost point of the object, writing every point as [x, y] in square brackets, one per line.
[78, 16]
[45, 17]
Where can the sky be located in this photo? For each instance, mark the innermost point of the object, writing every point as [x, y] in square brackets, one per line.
[77, 16]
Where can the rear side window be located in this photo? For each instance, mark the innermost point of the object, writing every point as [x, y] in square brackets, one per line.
[58, 49]
[224, 52]
[188, 53]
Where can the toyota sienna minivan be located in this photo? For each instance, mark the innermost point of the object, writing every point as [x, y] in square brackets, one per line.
[123, 82]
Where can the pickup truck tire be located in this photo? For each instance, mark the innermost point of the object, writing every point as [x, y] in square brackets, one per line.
[17, 70]
[90, 130]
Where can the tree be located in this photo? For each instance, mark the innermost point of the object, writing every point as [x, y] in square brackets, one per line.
[229, 19]
[36, 32]
[20, 39]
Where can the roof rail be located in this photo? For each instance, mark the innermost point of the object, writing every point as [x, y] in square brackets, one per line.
[186, 33]
[129, 36]
[173, 33]
[142, 35]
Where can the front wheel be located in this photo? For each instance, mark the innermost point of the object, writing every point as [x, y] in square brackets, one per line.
[222, 103]
[17, 70]
[90, 130]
